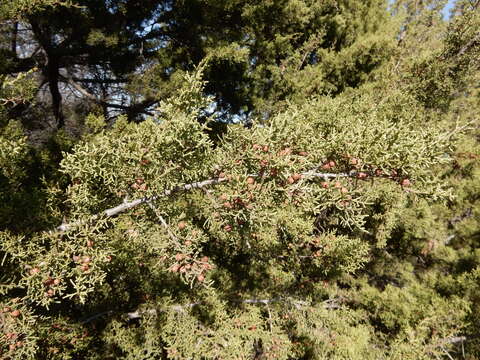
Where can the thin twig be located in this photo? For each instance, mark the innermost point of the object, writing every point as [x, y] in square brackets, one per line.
[164, 224]
[95, 316]
[69, 80]
[328, 175]
[446, 352]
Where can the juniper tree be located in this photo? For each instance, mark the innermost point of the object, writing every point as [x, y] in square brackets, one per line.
[100, 51]
[324, 230]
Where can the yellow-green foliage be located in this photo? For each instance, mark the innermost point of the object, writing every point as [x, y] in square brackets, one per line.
[13, 150]
[342, 223]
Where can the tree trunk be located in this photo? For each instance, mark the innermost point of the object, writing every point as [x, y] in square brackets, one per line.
[51, 68]
[52, 73]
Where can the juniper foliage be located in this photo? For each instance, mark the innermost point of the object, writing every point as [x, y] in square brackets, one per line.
[340, 223]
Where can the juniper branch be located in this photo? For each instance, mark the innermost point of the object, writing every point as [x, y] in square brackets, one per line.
[454, 340]
[131, 204]
[187, 187]
[328, 304]
[298, 304]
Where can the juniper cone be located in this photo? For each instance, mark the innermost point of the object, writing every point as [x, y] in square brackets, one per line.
[200, 179]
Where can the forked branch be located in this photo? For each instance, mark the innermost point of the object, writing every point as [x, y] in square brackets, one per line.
[184, 188]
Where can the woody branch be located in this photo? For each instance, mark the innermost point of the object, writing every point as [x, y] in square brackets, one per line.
[198, 185]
